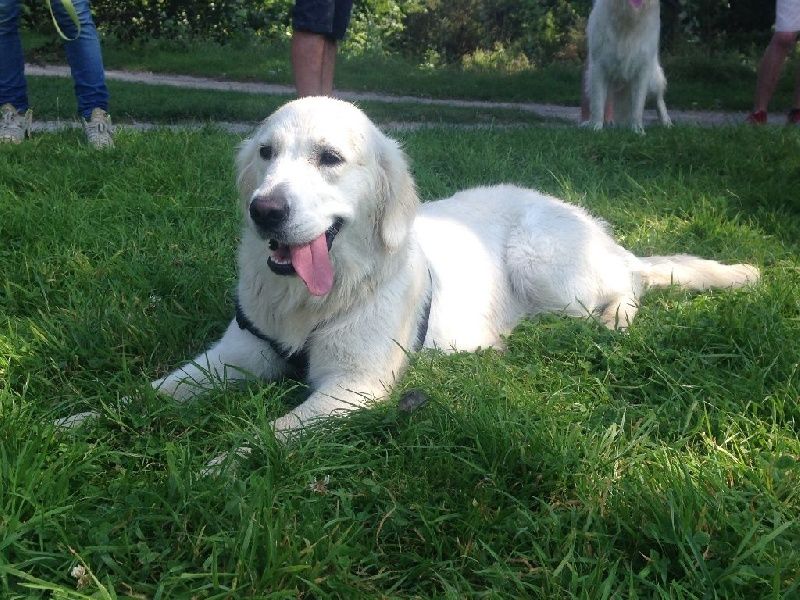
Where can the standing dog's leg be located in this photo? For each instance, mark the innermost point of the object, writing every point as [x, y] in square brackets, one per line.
[598, 93]
[658, 86]
[638, 97]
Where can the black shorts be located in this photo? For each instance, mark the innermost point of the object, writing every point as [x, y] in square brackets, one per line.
[326, 17]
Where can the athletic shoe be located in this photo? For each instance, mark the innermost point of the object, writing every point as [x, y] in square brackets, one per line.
[98, 129]
[14, 125]
[758, 117]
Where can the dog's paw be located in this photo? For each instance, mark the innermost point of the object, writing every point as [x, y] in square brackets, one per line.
[76, 420]
[593, 125]
[666, 122]
[412, 400]
[225, 461]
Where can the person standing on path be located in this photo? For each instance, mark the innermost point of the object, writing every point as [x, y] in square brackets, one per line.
[82, 47]
[787, 24]
[318, 27]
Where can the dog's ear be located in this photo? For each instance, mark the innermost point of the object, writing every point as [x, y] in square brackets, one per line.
[246, 173]
[397, 195]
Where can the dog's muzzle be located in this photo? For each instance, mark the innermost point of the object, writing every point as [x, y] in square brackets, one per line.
[269, 213]
[280, 261]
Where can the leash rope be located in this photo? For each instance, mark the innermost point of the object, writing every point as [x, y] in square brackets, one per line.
[73, 15]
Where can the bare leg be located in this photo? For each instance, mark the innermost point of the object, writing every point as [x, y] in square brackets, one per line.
[769, 69]
[328, 66]
[313, 62]
[796, 98]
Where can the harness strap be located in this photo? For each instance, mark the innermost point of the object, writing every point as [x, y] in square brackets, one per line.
[298, 361]
[422, 328]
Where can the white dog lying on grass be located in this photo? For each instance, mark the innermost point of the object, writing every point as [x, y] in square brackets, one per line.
[623, 61]
[342, 272]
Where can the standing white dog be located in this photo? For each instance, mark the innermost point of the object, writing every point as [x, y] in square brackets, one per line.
[342, 272]
[623, 61]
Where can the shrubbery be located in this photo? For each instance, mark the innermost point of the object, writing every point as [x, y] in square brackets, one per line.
[475, 32]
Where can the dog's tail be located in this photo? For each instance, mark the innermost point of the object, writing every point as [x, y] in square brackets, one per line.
[695, 273]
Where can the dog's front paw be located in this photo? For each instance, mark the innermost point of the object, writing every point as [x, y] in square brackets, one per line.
[227, 460]
[76, 420]
[593, 125]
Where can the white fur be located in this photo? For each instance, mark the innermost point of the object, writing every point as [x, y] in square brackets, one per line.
[623, 62]
[487, 256]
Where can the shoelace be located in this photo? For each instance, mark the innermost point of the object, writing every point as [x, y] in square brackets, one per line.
[96, 129]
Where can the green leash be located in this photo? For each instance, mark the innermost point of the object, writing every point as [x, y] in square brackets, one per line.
[68, 6]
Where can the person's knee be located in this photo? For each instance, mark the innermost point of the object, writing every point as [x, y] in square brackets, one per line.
[784, 41]
[9, 15]
[82, 10]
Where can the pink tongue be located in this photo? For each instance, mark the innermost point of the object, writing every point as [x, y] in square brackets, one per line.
[313, 265]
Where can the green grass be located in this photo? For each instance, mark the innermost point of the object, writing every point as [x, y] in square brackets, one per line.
[581, 463]
[698, 79]
[53, 98]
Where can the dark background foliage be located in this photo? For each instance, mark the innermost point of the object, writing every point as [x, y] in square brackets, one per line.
[443, 31]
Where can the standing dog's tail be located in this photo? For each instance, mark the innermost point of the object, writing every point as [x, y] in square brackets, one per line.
[695, 273]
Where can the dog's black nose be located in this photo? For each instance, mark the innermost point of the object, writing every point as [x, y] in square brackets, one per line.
[269, 212]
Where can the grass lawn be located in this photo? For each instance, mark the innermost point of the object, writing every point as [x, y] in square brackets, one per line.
[697, 79]
[581, 463]
[53, 98]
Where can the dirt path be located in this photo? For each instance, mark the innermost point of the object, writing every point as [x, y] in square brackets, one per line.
[546, 111]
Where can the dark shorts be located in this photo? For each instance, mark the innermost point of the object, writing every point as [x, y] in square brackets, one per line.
[326, 17]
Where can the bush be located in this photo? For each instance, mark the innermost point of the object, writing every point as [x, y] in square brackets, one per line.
[473, 32]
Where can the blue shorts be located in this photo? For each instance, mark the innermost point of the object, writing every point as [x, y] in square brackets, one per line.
[326, 17]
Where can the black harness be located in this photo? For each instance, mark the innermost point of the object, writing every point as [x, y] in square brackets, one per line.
[298, 361]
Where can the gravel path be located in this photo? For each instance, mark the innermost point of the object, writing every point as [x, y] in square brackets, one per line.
[546, 111]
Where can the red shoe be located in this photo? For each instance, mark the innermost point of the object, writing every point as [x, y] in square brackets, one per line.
[794, 117]
[758, 117]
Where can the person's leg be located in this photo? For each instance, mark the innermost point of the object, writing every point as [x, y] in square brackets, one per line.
[328, 66]
[769, 69]
[12, 63]
[84, 57]
[796, 97]
[793, 118]
[586, 111]
[318, 26]
[341, 19]
[308, 51]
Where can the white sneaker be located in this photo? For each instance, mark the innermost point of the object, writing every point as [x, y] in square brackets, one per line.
[98, 129]
[14, 126]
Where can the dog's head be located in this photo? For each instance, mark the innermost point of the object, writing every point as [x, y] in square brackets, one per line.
[320, 184]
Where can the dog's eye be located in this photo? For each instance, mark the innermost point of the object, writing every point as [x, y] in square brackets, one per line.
[330, 158]
[265, 152]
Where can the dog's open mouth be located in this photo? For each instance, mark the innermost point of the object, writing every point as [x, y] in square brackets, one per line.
[311, 262]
